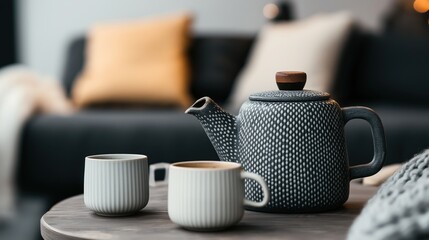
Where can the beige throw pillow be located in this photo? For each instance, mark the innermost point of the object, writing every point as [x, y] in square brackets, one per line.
[312, 45]
[136, 62]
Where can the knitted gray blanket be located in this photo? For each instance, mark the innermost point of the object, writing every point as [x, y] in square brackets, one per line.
[400, 208]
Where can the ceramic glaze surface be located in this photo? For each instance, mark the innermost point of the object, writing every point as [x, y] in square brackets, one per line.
[206, 199]
[216, 202]
[220, 127]
[294, 138]
[299, 148]
[289, 96]
[115, 187]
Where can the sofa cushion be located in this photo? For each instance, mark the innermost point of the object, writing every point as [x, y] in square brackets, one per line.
[140, 61]
[393, 68]
[216, 62]
[347, 66]
[311, 45]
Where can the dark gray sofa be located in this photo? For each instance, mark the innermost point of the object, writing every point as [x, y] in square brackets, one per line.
[382, 72]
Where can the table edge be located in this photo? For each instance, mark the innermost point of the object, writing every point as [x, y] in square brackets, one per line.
[50, 233]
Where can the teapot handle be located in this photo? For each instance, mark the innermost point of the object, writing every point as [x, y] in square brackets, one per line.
[379, 141]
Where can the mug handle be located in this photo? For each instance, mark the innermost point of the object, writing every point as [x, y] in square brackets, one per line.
[158, 166]
[264, 186]
[379, 141]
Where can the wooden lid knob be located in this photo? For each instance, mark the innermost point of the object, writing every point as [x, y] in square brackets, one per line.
[291, 80]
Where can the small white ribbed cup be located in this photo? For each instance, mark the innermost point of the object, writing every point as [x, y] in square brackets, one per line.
[116, 184]
[209, 195]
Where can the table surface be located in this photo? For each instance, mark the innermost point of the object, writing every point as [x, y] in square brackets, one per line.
[70, 219]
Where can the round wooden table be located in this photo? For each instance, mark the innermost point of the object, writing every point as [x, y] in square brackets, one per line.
[70, 219]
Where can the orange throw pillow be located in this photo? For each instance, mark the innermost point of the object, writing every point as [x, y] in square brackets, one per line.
[136, 62]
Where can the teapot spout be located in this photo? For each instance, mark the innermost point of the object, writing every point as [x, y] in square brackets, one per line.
[219, 126]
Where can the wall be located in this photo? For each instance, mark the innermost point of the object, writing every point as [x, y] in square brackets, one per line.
[46, 26]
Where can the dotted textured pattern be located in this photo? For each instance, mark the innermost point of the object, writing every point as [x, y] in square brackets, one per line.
[400, 208]
[289, 96]
[221, 129]
[299, 149]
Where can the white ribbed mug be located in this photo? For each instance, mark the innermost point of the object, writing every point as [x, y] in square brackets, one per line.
[116, 184]
[209, 195]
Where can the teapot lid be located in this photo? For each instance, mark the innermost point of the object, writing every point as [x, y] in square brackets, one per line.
[291, 84]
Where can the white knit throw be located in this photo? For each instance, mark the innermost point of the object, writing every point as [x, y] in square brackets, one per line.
[400, 208]
[22, 94]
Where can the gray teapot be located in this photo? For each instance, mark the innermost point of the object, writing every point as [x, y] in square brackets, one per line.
[294, 138]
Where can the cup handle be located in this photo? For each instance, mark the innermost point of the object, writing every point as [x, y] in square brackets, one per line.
[264, 186]
[153, 168]
[377, 131]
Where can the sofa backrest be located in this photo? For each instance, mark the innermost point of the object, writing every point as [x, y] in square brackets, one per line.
[385, 68]
[215, 63]
[392, 68]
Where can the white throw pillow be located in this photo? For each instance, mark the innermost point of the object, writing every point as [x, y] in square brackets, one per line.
[312, 45]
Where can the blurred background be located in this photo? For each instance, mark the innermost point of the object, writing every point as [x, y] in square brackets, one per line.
[74, 92]
[46, 27]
